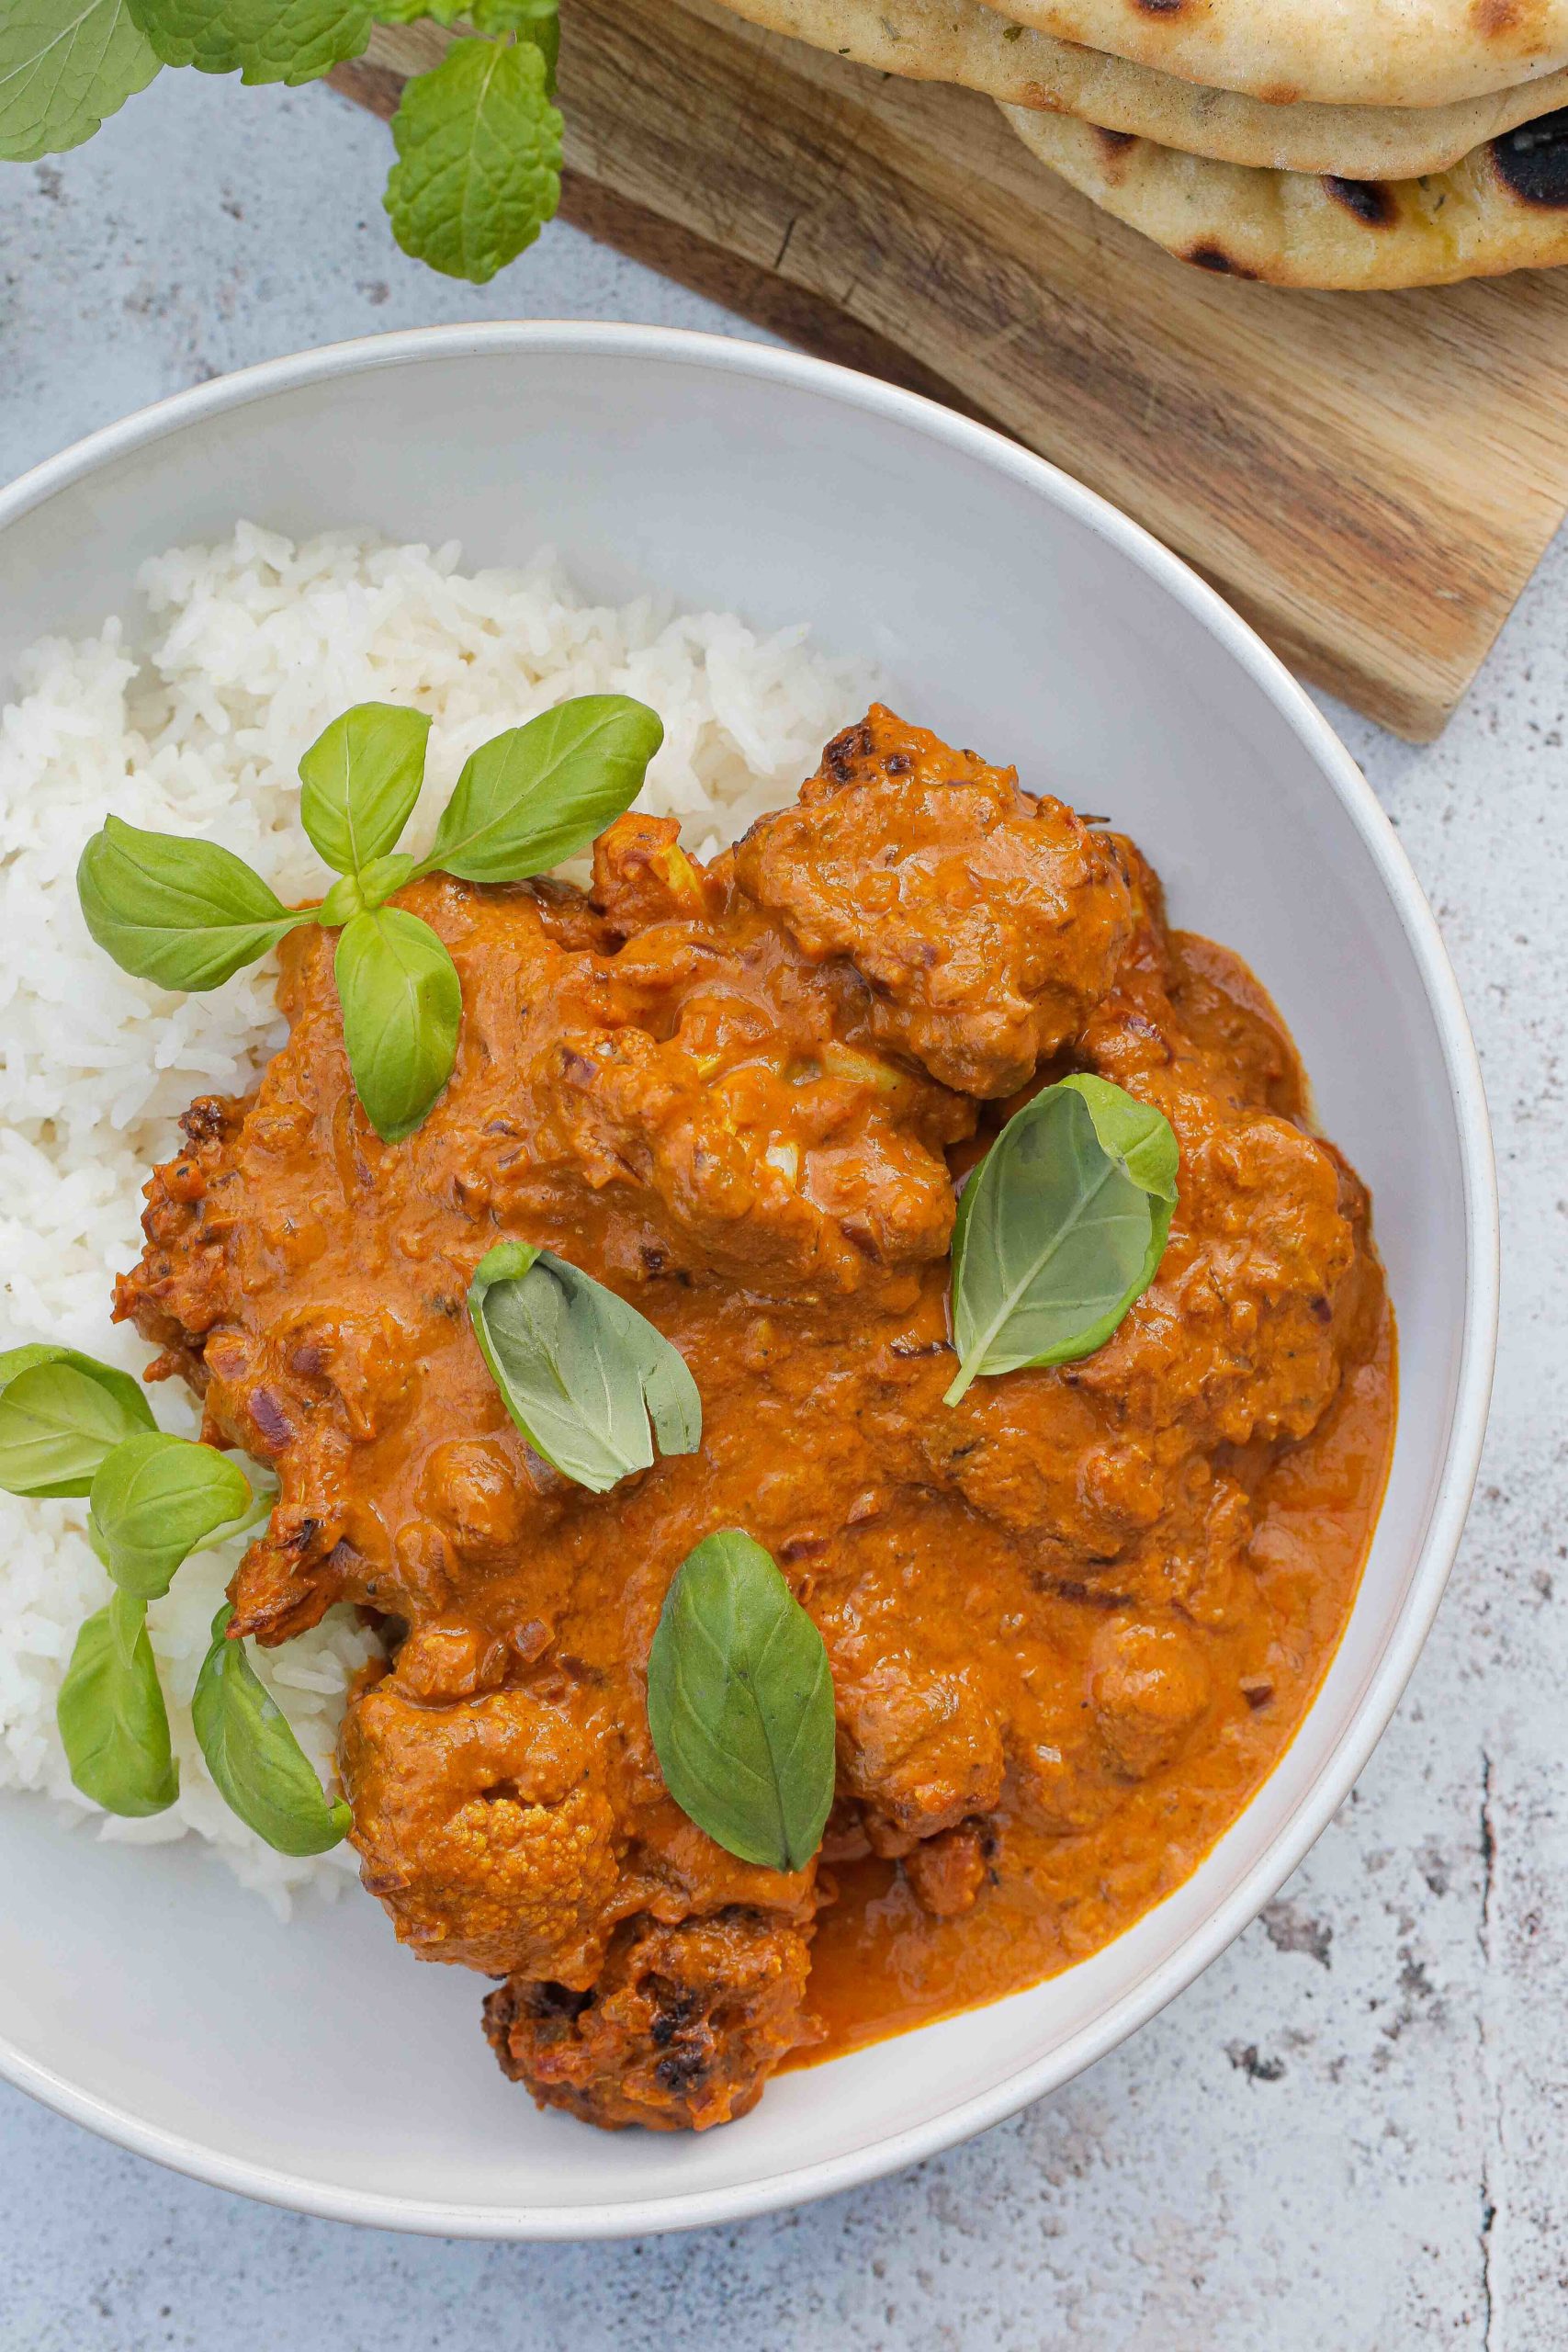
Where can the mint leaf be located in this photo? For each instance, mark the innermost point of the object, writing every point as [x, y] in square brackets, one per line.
[64, 66]
[535, 20]
[262, 40]
[478, 158]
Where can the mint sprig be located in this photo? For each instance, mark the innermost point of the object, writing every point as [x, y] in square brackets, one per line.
[66, 66]
[478, 158]
[262, 40]
[478, 143]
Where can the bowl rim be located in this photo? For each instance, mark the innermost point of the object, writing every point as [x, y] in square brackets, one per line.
[829, 2175]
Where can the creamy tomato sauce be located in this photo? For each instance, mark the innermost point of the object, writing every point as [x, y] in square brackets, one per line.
[1071, 1619]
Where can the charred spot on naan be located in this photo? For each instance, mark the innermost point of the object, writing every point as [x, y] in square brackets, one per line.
[1368, 200]
[1215, 257]
[1533, 162]
[1114, 147]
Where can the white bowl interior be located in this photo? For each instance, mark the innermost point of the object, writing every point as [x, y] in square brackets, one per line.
[319, 2063]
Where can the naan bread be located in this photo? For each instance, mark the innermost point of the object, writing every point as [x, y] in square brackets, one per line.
[1338, 52]
[1504, 206]
[967, 42]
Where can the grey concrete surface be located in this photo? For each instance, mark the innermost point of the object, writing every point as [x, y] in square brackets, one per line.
[1352, 2134]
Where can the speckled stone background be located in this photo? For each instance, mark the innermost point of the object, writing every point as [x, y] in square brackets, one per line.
[1351, 2136]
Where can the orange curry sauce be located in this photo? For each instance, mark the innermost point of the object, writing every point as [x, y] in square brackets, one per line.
[1072, 1619]
[880, 1964]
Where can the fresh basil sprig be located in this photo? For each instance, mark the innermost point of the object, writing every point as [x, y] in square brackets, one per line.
[71, 1426]
[260, 1768]
[402, 1002]
[361, 777]
[534, 796]
[740, 1704]
[188, 913]
[112, 1719]
[581, 1373]
[157, 1500]
[1060, 1229]
[185, 913]
[61, 1414]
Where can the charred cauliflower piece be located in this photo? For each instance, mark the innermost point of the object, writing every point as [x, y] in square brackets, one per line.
[682, 2030]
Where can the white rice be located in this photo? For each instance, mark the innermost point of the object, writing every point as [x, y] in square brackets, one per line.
[253, 647]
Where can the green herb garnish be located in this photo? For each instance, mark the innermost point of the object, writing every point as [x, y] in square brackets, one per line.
[186, 914]
[71, 1426]
[112, 1717]
[582, 1374]
[261, 40]
[190, 914]
[1060, 1229]
[401, 1005]
[479, 142]
[534, 796]
[479, 146]
[157, 1500]
[260, 1768]
[64, 69]
[740, 1704]
[60, 1415]
[361, 778]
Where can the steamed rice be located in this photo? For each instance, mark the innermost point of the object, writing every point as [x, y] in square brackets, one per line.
[253, 646]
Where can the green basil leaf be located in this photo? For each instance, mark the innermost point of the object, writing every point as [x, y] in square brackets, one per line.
[342, 902]
[478, 158]
[66, 66]
[740, 1704]
[61, 1414]
[262, 1772]
[126, 1615]
[111, 1715]
[361, 778]
[157, 1500]
[185, 913]
[1140, 1138]
[580, 1373]
[401, 1005]
[383, 876]
[262, 40]
[542, 792]
[1060, 1228]
[362, 893]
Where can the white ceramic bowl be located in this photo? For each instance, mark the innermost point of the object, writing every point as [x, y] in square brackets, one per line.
[145, 1995]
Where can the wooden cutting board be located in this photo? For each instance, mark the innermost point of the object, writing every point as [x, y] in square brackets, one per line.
[1371, 478]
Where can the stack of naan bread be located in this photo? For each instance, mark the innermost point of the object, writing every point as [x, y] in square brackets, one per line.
[1309, 143]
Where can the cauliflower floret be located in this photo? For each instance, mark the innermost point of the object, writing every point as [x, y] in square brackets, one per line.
[480, 1830]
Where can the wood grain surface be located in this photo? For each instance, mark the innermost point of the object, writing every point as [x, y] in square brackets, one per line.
[1371, 479]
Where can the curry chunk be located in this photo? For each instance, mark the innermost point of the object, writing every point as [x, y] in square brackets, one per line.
[484, 1830]
[985, 923]
[1239, 1340]
[682, 2030]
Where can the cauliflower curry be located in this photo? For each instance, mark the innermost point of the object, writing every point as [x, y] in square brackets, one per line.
[1072, 1621]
